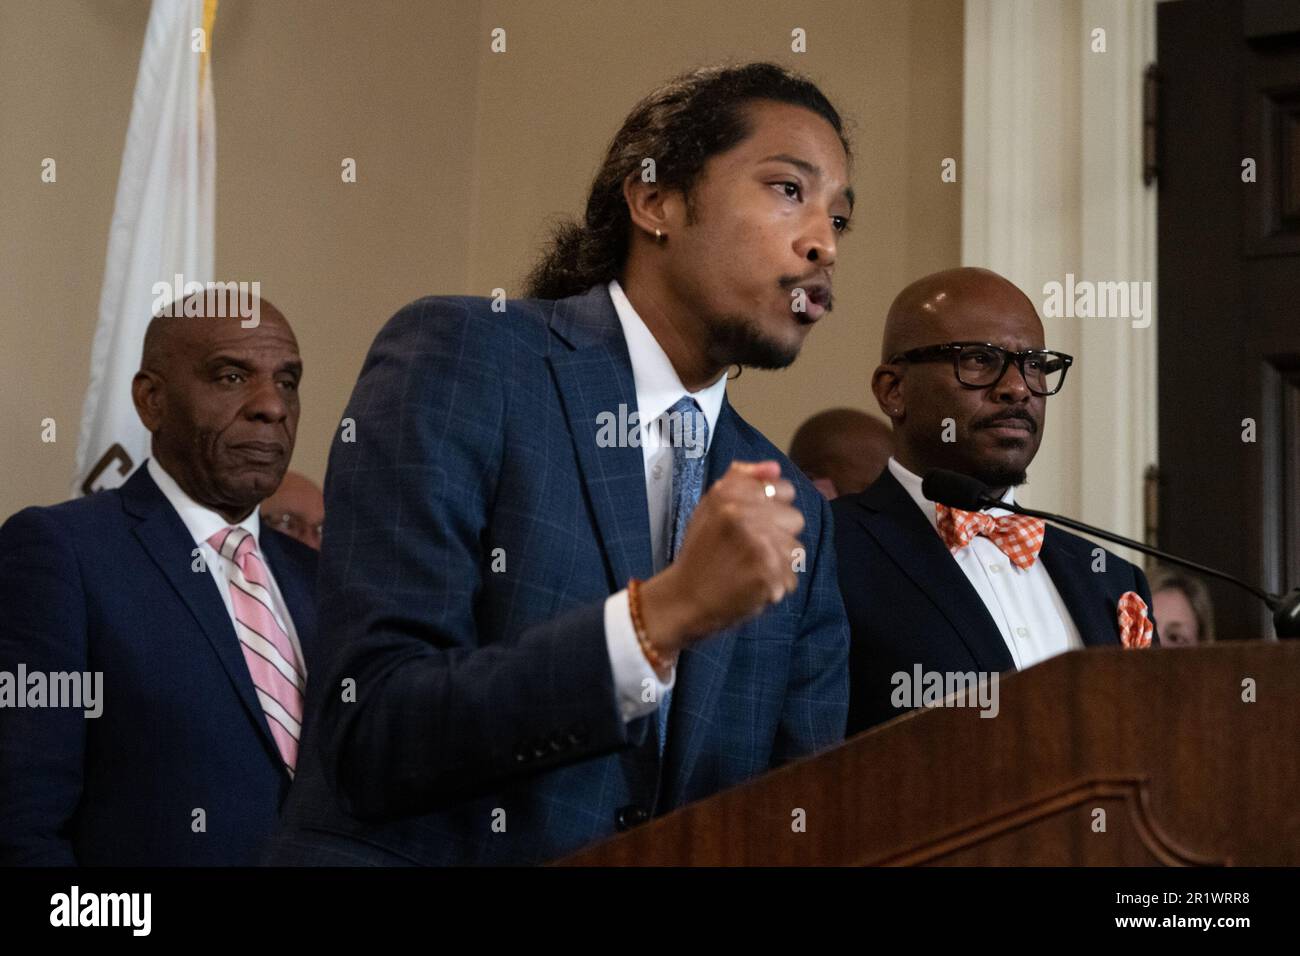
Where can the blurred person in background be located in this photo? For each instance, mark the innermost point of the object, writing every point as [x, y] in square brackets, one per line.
[842, 450]
[297, 509]
[1183, 607]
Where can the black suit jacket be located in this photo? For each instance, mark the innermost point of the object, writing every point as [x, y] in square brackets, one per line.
[106, 583]
[909, 602]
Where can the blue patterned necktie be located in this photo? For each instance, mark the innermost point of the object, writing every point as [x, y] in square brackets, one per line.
[689, 431]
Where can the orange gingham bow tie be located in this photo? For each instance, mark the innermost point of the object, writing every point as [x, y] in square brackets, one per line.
[1019, 537]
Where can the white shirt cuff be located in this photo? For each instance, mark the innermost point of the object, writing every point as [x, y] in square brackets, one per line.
[637, 687]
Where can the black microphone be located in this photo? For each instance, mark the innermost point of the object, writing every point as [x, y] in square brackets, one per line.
[956, 490]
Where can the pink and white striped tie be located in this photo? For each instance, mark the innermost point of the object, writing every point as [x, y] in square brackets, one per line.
[268, 651]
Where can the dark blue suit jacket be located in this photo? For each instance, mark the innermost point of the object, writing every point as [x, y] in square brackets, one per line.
[104, 583]
[909, 602]
[476, 526]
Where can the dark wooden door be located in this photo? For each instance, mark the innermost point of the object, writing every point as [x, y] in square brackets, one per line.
[1229, 294]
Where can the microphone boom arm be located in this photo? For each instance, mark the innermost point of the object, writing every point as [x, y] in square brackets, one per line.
[1272, 600]
[956, 490]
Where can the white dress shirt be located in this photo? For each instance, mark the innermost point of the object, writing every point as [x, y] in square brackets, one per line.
[202, 523]
[658, 388]
[1023, 602]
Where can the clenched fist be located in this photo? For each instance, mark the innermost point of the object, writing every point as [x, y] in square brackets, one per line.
[737, 558]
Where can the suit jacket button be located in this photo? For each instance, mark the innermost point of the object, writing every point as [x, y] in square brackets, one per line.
[522, 755]
[558, 743]
[628, 817]
[540, 749]
[577, 735]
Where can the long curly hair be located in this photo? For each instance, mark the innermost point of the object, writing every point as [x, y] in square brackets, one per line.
[680, 125]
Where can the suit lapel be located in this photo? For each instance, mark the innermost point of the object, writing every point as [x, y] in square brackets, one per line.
[889, 514]
[594, 378]
[169, 545]
[1068, 562]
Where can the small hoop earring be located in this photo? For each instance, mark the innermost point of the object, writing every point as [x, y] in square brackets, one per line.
[659, 236]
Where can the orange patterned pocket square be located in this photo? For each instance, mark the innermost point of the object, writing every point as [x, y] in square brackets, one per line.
[1135, 625]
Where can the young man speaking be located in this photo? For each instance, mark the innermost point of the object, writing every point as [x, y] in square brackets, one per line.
[540, 628]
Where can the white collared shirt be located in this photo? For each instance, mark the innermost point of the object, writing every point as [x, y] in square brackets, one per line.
[658, 387]
[1023, 602]
[202, 523]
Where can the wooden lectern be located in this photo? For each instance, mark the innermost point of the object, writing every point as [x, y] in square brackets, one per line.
[1100, 757]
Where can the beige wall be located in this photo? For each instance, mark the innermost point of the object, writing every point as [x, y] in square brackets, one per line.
[463, 158]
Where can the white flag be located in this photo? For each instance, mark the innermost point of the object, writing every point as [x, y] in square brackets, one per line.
[163, 227]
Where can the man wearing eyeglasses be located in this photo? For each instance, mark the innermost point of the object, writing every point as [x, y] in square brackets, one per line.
[965, 382]
[297, 508]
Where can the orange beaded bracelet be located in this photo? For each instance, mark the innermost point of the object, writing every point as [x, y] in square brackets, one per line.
[634, 606]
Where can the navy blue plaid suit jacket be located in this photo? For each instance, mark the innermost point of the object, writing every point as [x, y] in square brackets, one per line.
[466, 711]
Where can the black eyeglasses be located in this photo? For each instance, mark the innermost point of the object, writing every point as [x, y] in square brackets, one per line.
[979, 364]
